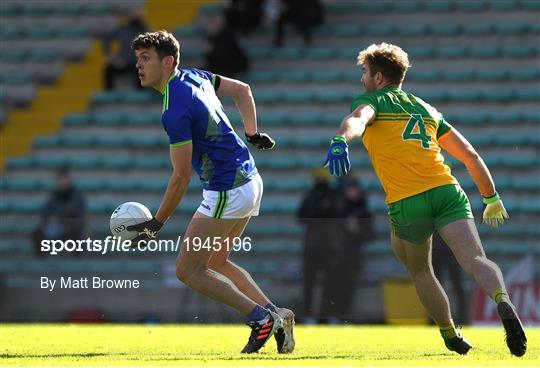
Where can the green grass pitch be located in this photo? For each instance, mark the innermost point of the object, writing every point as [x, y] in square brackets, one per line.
[219, 345]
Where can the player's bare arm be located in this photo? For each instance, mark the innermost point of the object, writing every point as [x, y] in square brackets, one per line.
[243, 98]
[178, 182]
[354, 124]
[458, 146]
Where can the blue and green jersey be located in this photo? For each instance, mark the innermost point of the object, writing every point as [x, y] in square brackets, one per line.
[192, 113]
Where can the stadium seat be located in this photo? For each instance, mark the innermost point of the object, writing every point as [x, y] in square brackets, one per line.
[412, 29]
[108, 118]
[492, 75]
[444, 29]
[487, 51]
[471, 5]
[76, 119]
[441, 6]
[477, 29]
[503, 5]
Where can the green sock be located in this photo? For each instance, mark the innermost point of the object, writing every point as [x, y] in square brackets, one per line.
[500, 296]
[448, 332]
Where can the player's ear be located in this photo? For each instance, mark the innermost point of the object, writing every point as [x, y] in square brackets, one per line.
[167, 61]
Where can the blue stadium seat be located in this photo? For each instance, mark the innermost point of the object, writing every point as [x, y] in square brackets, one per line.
[20, 162]
[108, 118]
[444, 29]
[347, 30]
[380, 29]
[519, 51]
[117, 162]
[510, 28]
[487, 51]
[90, 184]
[412, 29]
[410, 6]
[492, 74]
[326, 76]
[503, 5]
[498, 95]
[83, 162]
[320, 53]
[440, 6]
[471, 5]
[526, 74]
[144, 118]
[477, 29]
[263, 76]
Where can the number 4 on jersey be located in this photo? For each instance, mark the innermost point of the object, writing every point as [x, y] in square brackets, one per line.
[416, 130]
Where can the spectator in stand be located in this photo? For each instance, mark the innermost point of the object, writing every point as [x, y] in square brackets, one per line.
[244, 15]
[302, 14]
[123, 61]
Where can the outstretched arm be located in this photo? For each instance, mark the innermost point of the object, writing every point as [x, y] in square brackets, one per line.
[352, 127]
[455, 144]
[354, 124]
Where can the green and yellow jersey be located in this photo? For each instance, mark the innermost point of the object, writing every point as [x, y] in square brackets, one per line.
[402, 143]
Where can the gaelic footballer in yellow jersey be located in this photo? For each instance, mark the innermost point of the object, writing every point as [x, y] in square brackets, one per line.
[402, 142]
[404, 136]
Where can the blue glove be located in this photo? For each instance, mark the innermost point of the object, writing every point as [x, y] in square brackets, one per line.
[337, 160]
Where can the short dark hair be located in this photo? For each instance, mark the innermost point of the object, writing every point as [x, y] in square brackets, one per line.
[164, 42]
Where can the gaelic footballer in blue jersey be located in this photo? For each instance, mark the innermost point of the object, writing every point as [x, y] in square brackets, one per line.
[201, 136]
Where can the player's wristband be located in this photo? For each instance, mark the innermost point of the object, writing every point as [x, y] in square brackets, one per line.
[494, 198]
[339, 138]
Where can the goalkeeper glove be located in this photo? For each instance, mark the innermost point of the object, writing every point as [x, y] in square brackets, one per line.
[147, 230]
[494, 213]
[261, 140]
[337, 159]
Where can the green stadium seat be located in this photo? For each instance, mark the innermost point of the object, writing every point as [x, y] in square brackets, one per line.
[471, 5]
[510, 28]
[426, 75]
[109, 118]
[19, 162]
[531, 117]
[273, 118]
[148, 141]
[410, 6]
[492, 74]
[287, 53]
[16, 78]
[326, 76]
[347, 30]
[83, 162]
[534, 28]
[304, 96]
[525, 74]
[503, 5]
[458, 75]
[421, 52]
[144, 118]
[530, 5]
[519, 51]
[12, 56]
[39, 33]
[192, 54]
[294, 76]
[43, 55]
[72, 32]
[69, 10]
[444, 29]
[451, 52]
[331, 96]
[117, 162]
[77, 140]
[498, 95]
[11, 33]
[487, 51]
[439, 6]
[264, 76]
[531, 94]
[90, 184]
[380, 29]
[98, 9]
[270, 96]
[76, 119]
[436, 95]
[24, 184]
[348, 53]
[187, 31]
[141, 97]
[111, 141]
[320, 53]
[512, 139]
[28, 207]
[505, 118]
[477, 29]
[50, 162]
[153, 184]
[37, 10]
[122, 185]
[47, 141]
[151, 162]
[412, 29]
[9, 9]
[106, 97]
[520, 161]
[370, 7]
[259, 53]
[526, 184]
[465, 95]
[98, 205]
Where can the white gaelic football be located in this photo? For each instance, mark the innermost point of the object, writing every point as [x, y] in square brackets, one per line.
[129, 213]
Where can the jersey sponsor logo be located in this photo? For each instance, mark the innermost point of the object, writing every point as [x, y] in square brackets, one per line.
[204, 205]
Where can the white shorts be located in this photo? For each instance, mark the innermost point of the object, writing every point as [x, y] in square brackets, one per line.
[236, 203]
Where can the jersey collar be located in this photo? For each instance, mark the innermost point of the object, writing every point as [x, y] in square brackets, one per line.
[174, 73]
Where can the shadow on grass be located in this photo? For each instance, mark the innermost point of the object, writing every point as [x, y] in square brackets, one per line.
[59, 355]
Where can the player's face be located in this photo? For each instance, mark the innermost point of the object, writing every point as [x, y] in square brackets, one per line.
[149, 67]
[367, 79]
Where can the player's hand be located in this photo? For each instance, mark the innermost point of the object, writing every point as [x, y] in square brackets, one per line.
[147, 231]
[337, 159]
[261, 140]
[494, 213]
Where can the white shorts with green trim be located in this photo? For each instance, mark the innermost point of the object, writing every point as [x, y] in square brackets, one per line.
[236, 203]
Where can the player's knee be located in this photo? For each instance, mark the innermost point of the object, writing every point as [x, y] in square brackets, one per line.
[185, 273]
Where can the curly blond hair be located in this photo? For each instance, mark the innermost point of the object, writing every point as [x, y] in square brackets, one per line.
[388, 59]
